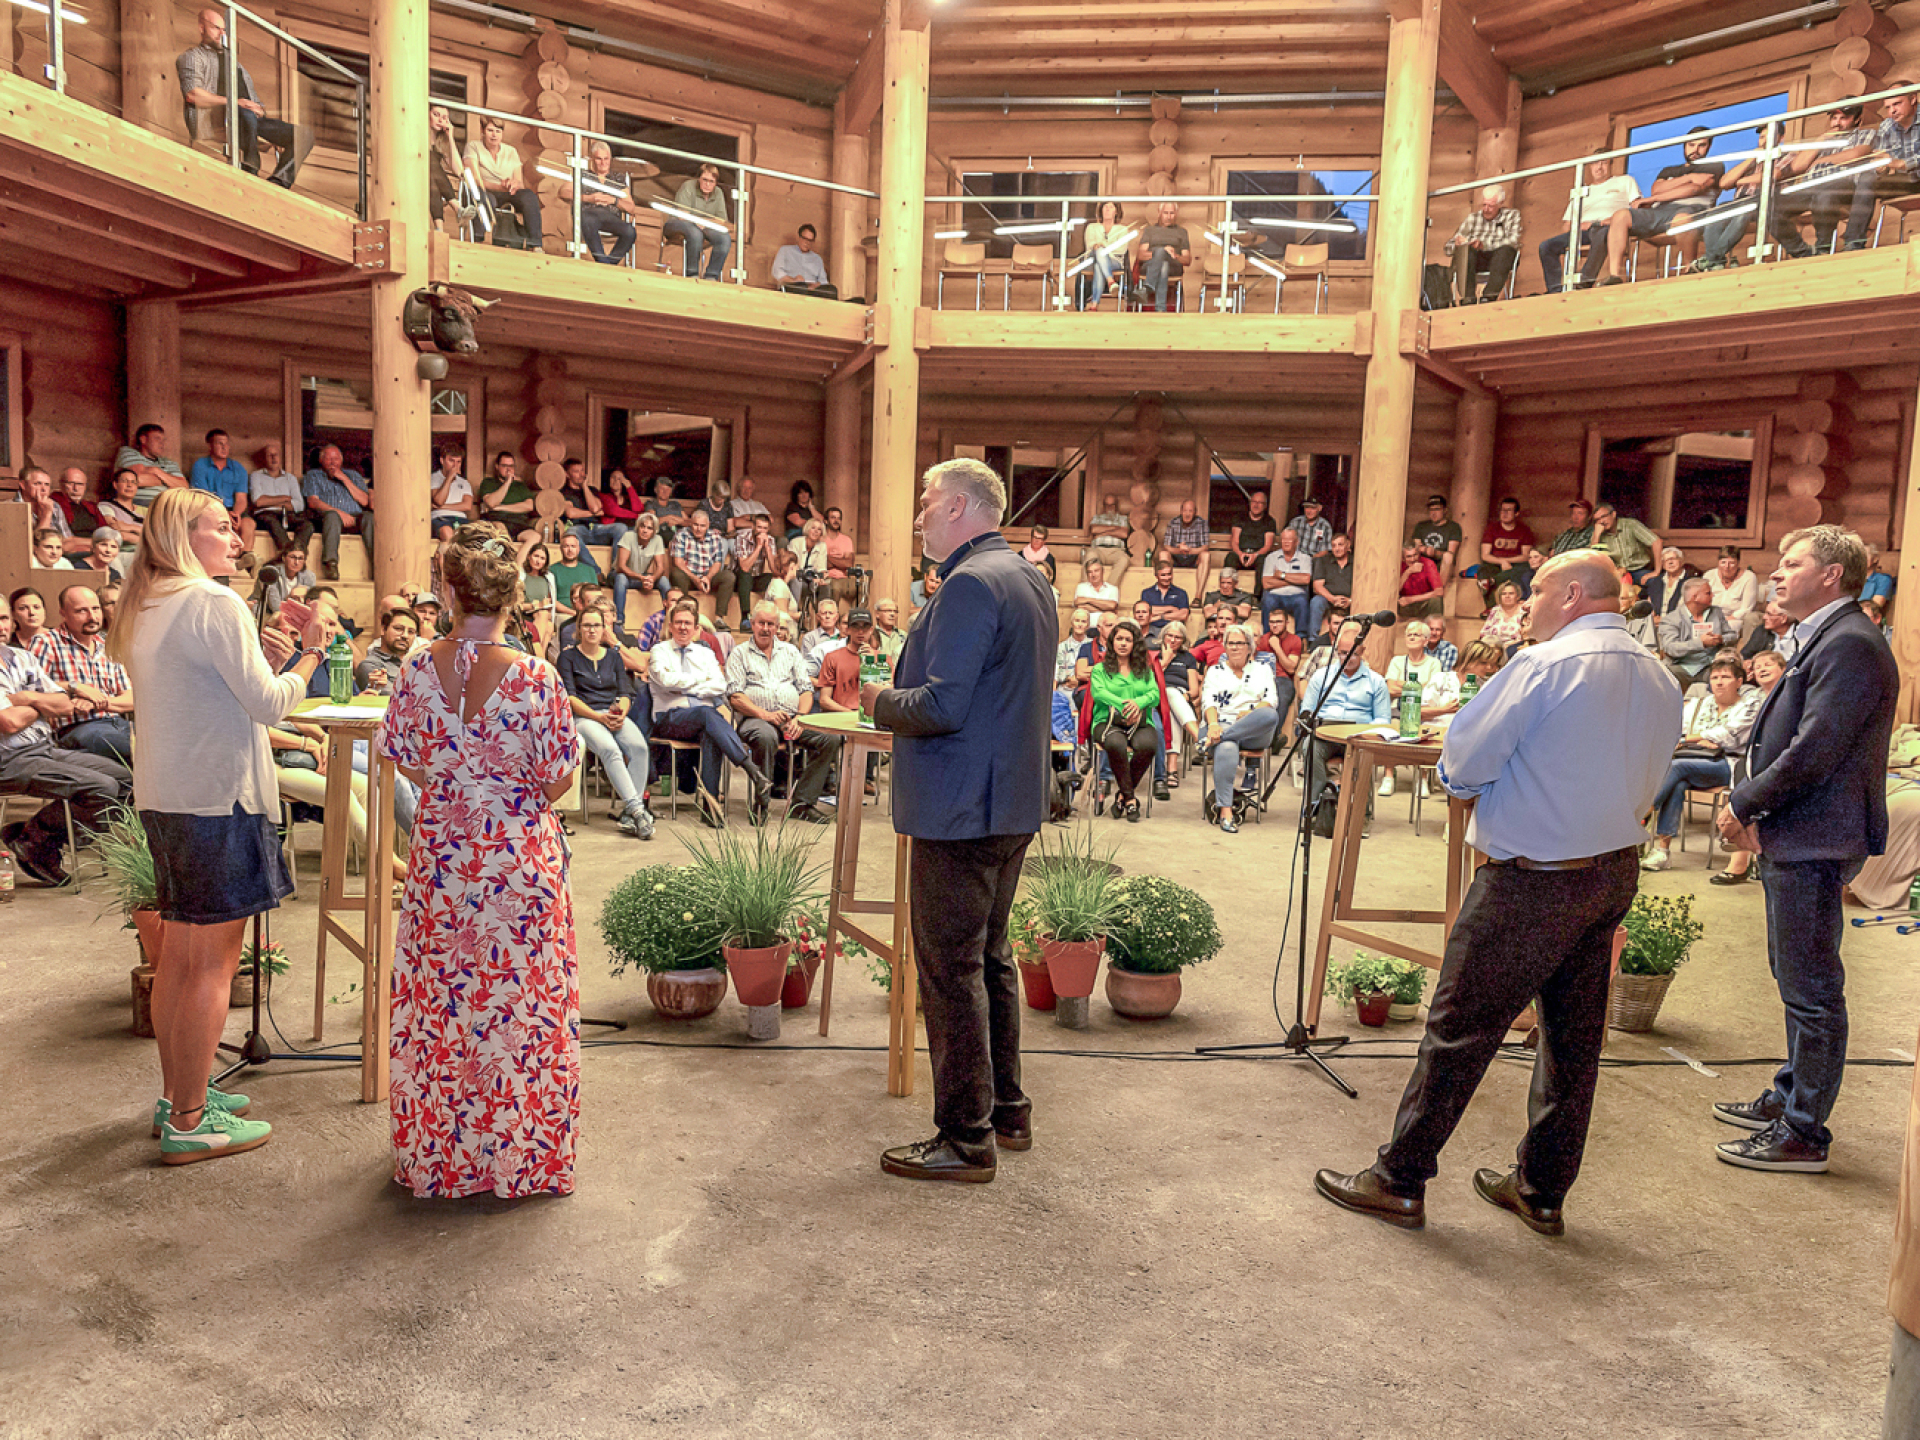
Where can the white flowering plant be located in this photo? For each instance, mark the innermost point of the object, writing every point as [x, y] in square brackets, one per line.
[661, 918]
[1162, 926]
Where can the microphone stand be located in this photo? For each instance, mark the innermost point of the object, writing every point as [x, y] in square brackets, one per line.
[1299, 1043]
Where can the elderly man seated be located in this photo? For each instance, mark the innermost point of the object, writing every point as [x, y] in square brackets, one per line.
[75, 656]
[1353, 694]
[686, 683]
[1488, 239]
[606, 206]
[30, 763]
[768, 690]
[1693, 634]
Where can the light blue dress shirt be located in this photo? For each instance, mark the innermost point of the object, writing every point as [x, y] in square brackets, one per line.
[1566, 747]
[1359, 698]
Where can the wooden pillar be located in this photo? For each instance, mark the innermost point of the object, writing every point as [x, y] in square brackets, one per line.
[846, 259]
[1906, 597]
[1497, 151]
[841, 473]
[1386, 424]
[149, 86]
[1474, 425]
[153, 372]
[402, 402]
[896, 368]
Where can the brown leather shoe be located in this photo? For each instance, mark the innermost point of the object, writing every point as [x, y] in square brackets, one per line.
[941, 1158]
[1504, 1191]
[1014, 1133]
[1365, 1194]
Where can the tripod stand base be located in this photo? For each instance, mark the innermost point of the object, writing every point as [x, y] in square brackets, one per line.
[1298, 1045]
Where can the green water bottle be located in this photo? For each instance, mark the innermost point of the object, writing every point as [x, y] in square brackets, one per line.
[340, 671]
[1410, 711]
[873, 671]
[1913, 898]
[1469, 687]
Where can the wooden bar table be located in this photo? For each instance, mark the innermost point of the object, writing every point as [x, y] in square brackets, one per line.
[1338, 910]
[371, 939]
[857, 738]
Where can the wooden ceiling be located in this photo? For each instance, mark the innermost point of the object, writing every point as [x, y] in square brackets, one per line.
[1544, 41]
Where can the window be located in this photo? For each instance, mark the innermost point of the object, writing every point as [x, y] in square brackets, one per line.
[721, 149]
[1024, 198]
[1644, 168]
[1693, 486]
[330, 100]
[1295, 216]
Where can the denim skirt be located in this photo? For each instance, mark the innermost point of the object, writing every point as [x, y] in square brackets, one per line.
[212, 868]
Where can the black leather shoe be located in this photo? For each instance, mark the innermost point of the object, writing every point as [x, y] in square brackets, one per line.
[1504, 1191]
[1749, 1114]
[1366, 1195]
[1160, 790]
[1014, 1132]
[808, 815]
[43, 866]
[1775, 1148]
[941, 1158]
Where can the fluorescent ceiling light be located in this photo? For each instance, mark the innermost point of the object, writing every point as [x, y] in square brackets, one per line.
[705, 222]
[1345, 227]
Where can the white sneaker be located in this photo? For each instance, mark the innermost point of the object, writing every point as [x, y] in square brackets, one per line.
[1386, 784]
[1656, 859]
[1424, 792]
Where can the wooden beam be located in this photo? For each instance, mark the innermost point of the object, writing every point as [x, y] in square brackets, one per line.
[153, 370]
[66, 243]
[859, 103]
[1108, 333]
[1468, 67]
[115, 228]
[69, 276]
[1451, 375]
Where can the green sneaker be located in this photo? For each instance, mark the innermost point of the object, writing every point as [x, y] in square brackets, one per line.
[216, 1100]
[217, 1134]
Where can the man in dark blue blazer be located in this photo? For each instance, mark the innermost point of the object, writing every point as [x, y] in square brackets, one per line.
[970, 708]
[1814, 806]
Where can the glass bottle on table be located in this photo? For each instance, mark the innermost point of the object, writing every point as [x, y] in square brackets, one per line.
[873, 671]
[339, 671]
[1410, 700]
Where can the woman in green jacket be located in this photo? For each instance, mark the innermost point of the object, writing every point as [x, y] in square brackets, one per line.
[1125, 721]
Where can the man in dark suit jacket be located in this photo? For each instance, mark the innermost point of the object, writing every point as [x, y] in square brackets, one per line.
[970, 708]
[1814, 806]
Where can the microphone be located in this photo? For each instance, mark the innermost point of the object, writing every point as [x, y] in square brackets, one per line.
[269, 575]
[1639, 610]
[1379, 617]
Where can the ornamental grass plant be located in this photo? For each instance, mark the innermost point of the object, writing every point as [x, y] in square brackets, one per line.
[757, 881]
[1162, 926]
[1071, 885]
[122, 847]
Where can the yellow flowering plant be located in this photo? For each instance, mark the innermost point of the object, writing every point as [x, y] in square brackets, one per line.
[660, 918]
[1162, 926]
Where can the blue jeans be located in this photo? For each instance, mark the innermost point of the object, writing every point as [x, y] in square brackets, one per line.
[108, 736]
[1253, 732]
[621, 585]
[1804, 925]
[406, 798]
[716, 737]
[1102, 275]
[1553, 253]
[1684, 775]
[1721, 236]
[622, 754]
[603, 532]
[596, 218]
[694, 236]
[1154, 275]
[1299, 606]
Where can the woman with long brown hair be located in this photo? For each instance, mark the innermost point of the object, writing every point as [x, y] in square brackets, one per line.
[205, 787]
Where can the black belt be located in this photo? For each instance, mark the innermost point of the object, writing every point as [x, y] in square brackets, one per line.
[1585, 862]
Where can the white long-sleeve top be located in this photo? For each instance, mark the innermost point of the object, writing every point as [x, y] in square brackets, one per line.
[207, 696]
[1735, 600]
[678, 676]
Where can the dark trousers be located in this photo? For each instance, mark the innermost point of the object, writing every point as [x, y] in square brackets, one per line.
[446, 188]
[525, 204]
[108, 736]
[747, 588]
[961, 892]
[1804, 926]
[292, 141]
[90, 784]
[1553, 253]
[1467, 262]
[330, 529]
[717, 738]
[274, 522]
[801, 287]
[1521, 934]
[597, 218]
[813, 752]
[1130, 750]
[1868, 188]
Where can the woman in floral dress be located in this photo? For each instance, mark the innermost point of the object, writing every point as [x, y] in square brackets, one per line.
[486, 996]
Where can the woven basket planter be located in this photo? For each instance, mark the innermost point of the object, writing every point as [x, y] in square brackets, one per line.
[1635, 1003]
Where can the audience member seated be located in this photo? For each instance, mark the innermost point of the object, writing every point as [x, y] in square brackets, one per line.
[1886, 880]
[826, 636]
[147, 460]
[780, 584]
[1606, 194]
[1420, 592]
[121, 509]
[583, 512]
[1736, 592]
[654, 630]
[1714, 728]
[1162, 252]
[799, 270]
[1899, 139]
[83, 518]
[1579, 532]
[1068, 650]
[1107, 540]
[595, 682]
[887, 634]
[1488, 239]
[697, 563]
[606, 206]
[575, 568]
[75, 657]
[753, 552]
[1037, 553]
[620, 500]
[1208, 652]
[1282, 648]
[295, 578]
[1252, 538]
[1165, 602]
[1678, 191]
[443, 165]
[1237, 603]
[1351, 695]
[1439, 537]
[44, 515]
[1662, 589]
[1773, 634]
[1128, 716]
[841, 584]
[276, 503]
[701, 196]
[800, 509]
[29, 615]
[1506, 623]
[639, 558]
[31, 764]
[1693, 634]
[341, 499]
[104, 554]
[1629, 544]
[1104, 230]
[809, 551]
[670, 512]
[1416, 666]
[1824, 201]
[921, 591]
[399, 628]
[1240, 708]
[451, 495]
[47, 552]
[1094, 592]
[506, 499]
[1446, 693]
[218, 473]
[837, 678]
[1286, 581]
[1332, 585]
[1187, 540]
[1720, 235]
[685, 680]
[1503, 545]
[1181, 672]
[768, 690]
[1095, 646]
[202, 72]
[496, 169]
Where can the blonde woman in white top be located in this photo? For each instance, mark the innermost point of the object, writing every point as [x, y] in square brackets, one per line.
[496, 167]
[1106, 228]
[207, 794]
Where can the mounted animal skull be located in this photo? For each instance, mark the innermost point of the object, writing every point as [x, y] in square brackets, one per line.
[442, 318]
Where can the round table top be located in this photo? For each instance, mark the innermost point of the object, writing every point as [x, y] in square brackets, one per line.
[1423, 751]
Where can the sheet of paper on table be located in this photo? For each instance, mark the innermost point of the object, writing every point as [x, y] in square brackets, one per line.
[341, 712]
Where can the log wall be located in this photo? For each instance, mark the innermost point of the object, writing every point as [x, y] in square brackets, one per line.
[74, 374]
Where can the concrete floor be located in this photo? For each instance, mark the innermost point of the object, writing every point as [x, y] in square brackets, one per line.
[735, 1264]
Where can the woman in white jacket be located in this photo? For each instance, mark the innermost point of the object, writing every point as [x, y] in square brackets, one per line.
[1714, 727]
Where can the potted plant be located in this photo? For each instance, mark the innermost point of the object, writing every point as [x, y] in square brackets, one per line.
[273, 961]
[122, 847]
[1074, 908]
[1369, 981]
[759, 883]
[1410, 984]
[660, 920]
[1023, 931]
[809, 954]
[1659, 931]
[1161, 928]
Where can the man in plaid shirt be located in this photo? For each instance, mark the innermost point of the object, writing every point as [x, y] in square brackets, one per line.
[1315, 534]
[1899, 138]
[1488, 239]
[1186, 543]
[697, 562]
[75, 656]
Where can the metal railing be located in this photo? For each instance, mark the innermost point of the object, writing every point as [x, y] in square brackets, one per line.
[1226, 233]
[59, 16]
[580, 176]
[1761, 204]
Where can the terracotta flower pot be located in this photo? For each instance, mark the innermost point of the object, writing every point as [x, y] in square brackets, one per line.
[687, 994]
[796, 991]
[758, 974]
[1373, 1008]
[1036, 982]
[143, 1001]
[1073, 965]
[1141, 996]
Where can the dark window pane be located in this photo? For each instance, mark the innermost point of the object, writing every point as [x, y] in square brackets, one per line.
[1297, 218]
